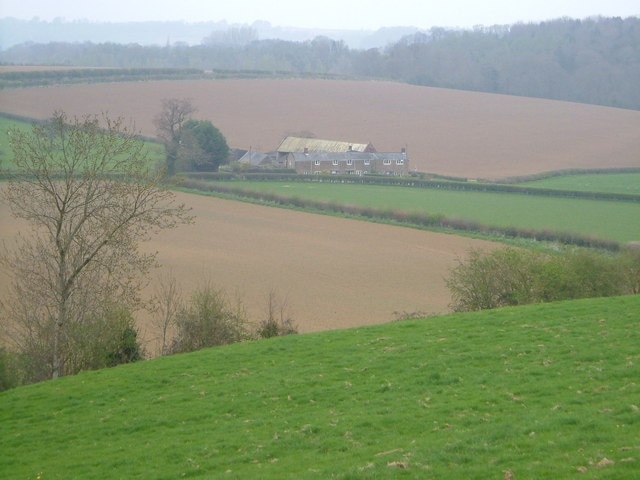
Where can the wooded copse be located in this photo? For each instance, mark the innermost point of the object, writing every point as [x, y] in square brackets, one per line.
[190, 145]
[592, 61]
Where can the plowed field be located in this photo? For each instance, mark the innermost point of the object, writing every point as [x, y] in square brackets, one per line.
[449, 132]
[333, 272]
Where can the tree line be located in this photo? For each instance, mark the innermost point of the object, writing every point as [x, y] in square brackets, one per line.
[594, 61]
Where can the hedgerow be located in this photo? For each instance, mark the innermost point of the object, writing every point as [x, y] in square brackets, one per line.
[415, 219]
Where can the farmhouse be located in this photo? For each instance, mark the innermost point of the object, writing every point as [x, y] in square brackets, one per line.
[313, 156]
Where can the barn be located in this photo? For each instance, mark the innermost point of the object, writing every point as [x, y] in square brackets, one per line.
[309, 156]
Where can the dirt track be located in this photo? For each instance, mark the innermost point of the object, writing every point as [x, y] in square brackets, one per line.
[450, 132]
[333, 272]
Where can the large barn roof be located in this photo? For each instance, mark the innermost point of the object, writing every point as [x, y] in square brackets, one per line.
[299, 144]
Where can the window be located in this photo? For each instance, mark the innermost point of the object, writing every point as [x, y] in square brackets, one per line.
[400, 161]
[349, 162]
[335, 162]
[367, 161]
[316, 162]
[386, 161]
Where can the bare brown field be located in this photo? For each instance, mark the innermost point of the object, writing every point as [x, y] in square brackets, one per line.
[333, 272]
[447, 132]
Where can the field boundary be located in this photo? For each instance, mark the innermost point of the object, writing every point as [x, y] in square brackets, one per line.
[421, 220]
[437, 182]
[565, 173]
[62, 76]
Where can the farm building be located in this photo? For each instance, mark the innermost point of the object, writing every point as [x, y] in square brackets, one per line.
[349, 163]
[314, 156]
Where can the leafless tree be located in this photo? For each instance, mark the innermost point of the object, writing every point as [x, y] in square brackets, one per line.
[168, 303]
[278, 322]
[87, 191]
[169, 126]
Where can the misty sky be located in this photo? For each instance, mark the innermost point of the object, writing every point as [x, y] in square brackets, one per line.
[338, 14]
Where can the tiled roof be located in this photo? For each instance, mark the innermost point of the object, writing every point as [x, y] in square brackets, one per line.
[298, 144]
[324, 156]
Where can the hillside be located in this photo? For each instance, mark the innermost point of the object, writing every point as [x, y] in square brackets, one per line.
[544, 391]
[450, 132]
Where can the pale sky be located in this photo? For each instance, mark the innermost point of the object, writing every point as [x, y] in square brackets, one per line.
[326, 14]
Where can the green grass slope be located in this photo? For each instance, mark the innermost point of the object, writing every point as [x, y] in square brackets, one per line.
[155, 150]
[545, 391]
[628, 183]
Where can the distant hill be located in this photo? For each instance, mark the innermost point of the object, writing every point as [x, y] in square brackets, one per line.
[15, 31]
[593, 61]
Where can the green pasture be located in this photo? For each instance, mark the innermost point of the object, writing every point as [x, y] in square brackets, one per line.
[600, 182]
[155, 150]
[618, 221]
[545, 392]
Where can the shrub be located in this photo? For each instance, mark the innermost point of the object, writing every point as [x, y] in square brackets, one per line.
[108, 340]
[10, 371]
[208, 320]
[516, 277]
[126, 349]
[499, 278]
[630, 266]
[277, 321]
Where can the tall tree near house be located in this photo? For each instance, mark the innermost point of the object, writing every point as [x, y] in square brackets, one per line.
[169, 122]
[87, 192]
[202, 146]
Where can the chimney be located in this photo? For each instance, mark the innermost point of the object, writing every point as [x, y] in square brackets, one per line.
[403, 150]
[306, 151]
[351, 148]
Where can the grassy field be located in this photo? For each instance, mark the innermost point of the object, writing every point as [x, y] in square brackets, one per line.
[604, 219]
[155, 150]
[544, 391]
[607, 183]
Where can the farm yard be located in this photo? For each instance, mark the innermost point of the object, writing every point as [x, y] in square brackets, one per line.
[447, 132]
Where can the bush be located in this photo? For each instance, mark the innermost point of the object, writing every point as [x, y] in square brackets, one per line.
[107, 340]
[10, 371]
[126, 349]
[516, 277]
[208, 320]
[277, 321]
[499, 278]
[630, 260]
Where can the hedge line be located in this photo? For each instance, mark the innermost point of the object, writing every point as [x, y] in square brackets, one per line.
[79, 75]
[442, 183]
[419, 219]
[25, 78]
[567, 172]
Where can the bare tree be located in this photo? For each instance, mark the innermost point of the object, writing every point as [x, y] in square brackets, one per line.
[278, 322]
[86, 189]
[169, 127]
[168, 303]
